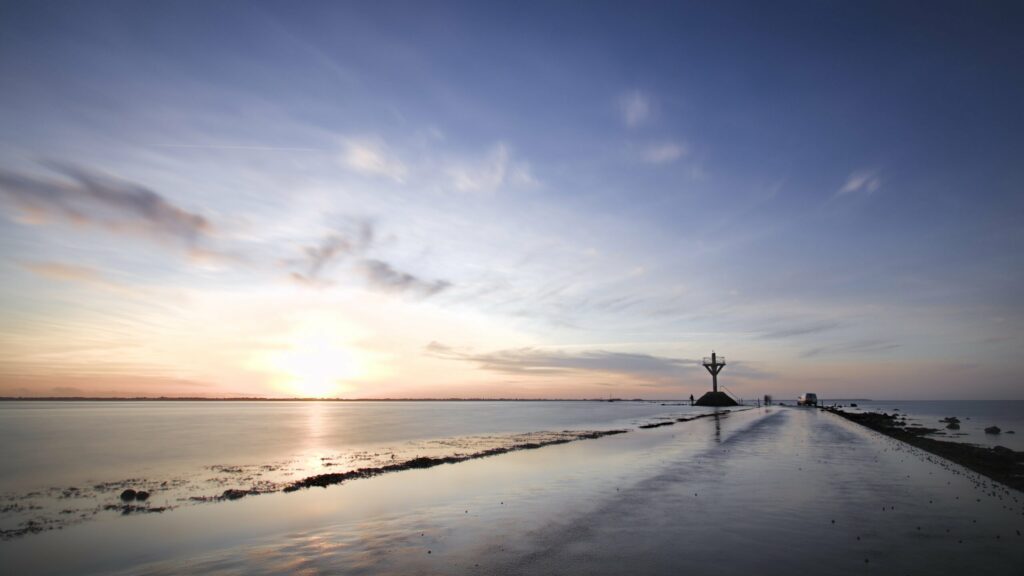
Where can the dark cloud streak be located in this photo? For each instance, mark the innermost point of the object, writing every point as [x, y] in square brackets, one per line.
[522, 361]
[354, 243]
[85, 197]
[383, 276]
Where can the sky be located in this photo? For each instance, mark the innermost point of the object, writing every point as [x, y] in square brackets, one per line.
[511, 200]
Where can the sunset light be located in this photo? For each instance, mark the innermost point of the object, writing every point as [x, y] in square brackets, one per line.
[448, 287]
[314, 363]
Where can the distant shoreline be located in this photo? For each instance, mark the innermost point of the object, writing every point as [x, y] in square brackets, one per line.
[260, 399]
[265, 399]
[779, 401]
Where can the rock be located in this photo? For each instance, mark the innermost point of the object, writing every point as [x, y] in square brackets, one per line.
[142, 495]
[992, 430]
[234, 494]
[716, 399]
[953, 426]
[129, 495]
[950, 420]
[1004, 454]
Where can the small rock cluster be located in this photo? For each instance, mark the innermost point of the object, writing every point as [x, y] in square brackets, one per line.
[130, 495]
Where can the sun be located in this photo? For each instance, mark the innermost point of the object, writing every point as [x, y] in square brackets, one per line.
[319, 369]
[314, 365]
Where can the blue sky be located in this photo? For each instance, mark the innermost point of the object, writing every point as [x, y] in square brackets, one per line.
[560, 199]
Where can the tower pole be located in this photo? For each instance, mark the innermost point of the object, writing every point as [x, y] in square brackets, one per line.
[714, 372]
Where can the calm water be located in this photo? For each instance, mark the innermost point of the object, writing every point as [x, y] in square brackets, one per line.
[974, 415]
[661, 500]
[65, 461]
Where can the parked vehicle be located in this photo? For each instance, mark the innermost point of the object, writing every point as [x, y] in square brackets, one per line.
[808, 399]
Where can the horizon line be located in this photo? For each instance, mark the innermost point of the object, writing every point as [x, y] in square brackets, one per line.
[439, 399]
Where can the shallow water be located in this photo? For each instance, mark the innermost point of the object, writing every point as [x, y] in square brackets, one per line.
[974, 415]
[67, 462]
[767, 491]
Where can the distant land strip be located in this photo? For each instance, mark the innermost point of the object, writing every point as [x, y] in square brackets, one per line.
[684, 401]
[264, 399]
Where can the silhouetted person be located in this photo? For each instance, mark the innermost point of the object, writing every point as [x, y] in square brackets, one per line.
[691, 399]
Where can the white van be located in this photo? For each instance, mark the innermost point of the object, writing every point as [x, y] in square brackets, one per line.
[808, 399]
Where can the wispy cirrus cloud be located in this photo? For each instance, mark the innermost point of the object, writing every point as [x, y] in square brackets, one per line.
[489, 174]
[635, 107]
[372, 156]
[799, 330]
[83, 197]
[870, 346]
[78, 274]
[663, 153]
[63, 272]
[860, 182]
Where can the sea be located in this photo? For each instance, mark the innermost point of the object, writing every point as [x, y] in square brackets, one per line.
[974, 415]
[777, 472]
[67, 462]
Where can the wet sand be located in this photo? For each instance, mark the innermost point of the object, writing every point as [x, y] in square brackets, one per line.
[766, 491]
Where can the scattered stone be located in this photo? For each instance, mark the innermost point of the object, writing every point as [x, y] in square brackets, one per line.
[992, 430]
[129, 495]
[142, 495]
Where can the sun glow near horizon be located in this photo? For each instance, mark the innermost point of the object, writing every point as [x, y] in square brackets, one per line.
[316, 363]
